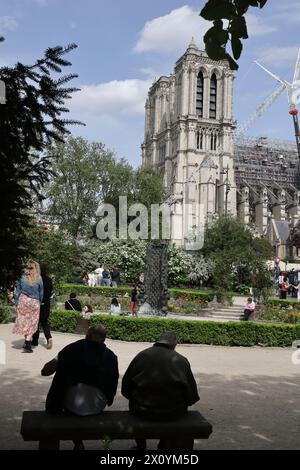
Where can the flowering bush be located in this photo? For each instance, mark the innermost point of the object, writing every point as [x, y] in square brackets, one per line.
[184, 268]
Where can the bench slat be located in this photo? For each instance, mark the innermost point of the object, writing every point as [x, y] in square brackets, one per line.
[39, 425]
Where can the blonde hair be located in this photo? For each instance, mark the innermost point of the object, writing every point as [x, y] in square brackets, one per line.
[33, 276]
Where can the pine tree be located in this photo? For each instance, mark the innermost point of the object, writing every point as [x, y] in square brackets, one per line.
[30, 121]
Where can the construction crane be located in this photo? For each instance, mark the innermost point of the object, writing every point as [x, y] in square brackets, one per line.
[259, 111]
[293, 92]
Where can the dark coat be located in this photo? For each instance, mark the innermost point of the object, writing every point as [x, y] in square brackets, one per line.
[75, 303]
[85, 362]
[48, 289]
[159, 382]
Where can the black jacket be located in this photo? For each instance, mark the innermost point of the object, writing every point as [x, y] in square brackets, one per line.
[85, 362]
[159, 381]
[73, 303]
[48, 288]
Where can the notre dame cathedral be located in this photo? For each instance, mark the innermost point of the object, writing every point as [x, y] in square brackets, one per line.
[190, 137]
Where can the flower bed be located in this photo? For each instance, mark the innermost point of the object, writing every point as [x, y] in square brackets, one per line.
[279, 313]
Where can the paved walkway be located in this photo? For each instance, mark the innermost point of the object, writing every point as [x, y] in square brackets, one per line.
[250, 395]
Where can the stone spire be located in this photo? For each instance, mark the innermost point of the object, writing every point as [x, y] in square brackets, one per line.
[192, 46]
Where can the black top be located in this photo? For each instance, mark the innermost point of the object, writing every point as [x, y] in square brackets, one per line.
[134, 295]
[115, 276]
[159, 381]
[73, 303]
[48, 289]
[85, 362]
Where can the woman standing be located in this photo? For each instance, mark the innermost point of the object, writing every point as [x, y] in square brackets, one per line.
[28, 297]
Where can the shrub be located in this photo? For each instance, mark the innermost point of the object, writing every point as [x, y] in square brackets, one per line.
[64, 320]
[82, 290]
[188, 331]
[4, 313]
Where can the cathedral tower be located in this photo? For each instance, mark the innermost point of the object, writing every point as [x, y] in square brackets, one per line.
[189, 131]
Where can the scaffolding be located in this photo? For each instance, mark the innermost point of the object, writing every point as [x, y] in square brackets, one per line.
[266, 162]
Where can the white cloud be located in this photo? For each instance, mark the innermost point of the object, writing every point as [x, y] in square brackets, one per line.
[279, 56]
[7, 23]
[258, 26]
[118, 97]
[172, 32]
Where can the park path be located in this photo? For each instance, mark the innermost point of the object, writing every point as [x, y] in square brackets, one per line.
[250, 395]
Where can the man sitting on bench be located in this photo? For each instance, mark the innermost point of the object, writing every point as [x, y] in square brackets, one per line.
[86, 377]
[159, 384]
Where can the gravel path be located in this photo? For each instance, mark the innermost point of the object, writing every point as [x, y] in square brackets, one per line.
[250, 395]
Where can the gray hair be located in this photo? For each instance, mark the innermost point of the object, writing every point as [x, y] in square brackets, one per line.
[167, 337]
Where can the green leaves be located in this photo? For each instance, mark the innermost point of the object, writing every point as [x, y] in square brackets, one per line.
[217, 37]
[237, 47]
[217, 9]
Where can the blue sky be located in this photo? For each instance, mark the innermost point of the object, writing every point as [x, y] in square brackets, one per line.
[124, 45]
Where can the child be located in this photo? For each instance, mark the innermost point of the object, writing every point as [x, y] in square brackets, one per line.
[133, 303]
[115, 308]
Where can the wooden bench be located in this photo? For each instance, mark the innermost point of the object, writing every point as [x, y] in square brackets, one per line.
[49, 430]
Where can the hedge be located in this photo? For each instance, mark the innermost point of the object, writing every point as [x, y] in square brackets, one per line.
[5, 313]
[187, 331]
[81, 290]
[64, 320]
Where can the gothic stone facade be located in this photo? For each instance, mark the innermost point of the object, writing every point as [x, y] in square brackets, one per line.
[189, 136]
[189, 132]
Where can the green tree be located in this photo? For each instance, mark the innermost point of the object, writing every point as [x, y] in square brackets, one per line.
[148, 187]
[234, 249]
[85, 175]
[54, 249]
[31, 119]
[217, 37]
[88, 174]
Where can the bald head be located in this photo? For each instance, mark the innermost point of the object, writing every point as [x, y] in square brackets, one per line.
[96, 333]
[169, 338]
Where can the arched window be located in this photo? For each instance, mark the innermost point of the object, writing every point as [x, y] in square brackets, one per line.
[213, 140]
[199, 97]
[213, 97]
[200, 140]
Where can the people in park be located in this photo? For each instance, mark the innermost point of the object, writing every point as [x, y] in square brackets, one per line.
[106, 280]
[159, 384]
[115, 307]
[249, 308]
[284, 288]
[44, 310]
[115, 277]
[98, 276]
[133, 301]
[86, 377]
[297, 290]
[73, 303]
[87, 309]
[29, 293]
[92, 279]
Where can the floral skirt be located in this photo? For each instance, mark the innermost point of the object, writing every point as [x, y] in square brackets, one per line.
[28, 313]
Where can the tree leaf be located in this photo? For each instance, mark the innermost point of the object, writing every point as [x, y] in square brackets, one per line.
[237, 46]
[241, 6]
[232, 63]
[217, 9]
[238, 27]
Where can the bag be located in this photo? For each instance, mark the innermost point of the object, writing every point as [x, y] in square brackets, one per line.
[71, 306]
